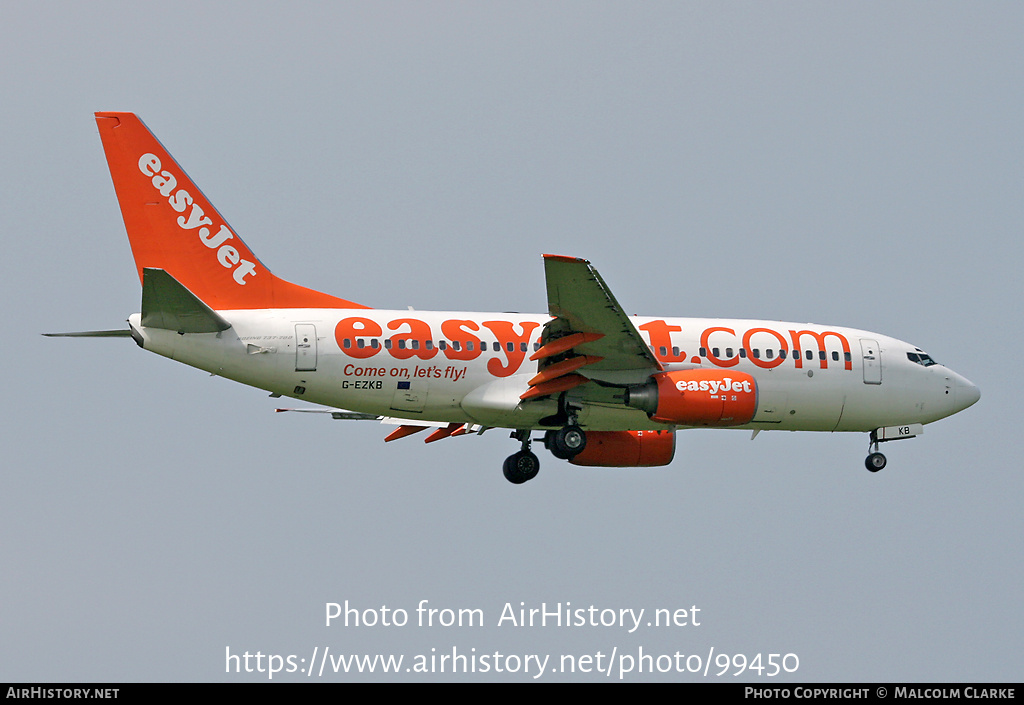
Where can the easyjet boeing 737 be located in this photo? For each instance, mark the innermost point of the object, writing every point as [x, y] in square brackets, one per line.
[603, 388]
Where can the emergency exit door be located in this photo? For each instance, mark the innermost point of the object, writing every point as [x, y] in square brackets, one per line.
[305, 347]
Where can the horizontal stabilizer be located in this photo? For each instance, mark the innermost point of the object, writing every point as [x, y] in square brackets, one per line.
[120, 333]
[169, 305]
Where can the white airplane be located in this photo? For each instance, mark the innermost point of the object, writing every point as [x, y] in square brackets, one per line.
[606, 389]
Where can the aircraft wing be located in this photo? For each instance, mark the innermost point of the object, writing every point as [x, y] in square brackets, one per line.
[590, 336]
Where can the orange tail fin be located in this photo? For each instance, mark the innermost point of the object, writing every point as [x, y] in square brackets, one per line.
[172, 226]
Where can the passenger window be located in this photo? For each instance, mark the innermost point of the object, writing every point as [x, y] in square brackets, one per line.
[835, 356]
[728, 352]
[757, 354]
[769, 353]
[510, 346]
[360, 343]
[347, 343]
[442, 345]
[810, 355]
[387, 344]
[456, 345]
[703, 352]
[663, 351]
[374, 344]
[523, 347]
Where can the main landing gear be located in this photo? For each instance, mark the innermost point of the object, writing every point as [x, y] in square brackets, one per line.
[875, 460]
[524, 465]
[565, 443]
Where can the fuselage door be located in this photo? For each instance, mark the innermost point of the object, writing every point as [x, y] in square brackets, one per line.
[871, 357]
[410, 396]
[305, 347]
[772, 406]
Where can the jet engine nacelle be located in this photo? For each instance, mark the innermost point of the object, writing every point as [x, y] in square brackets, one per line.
[627, 449]
[697, 397]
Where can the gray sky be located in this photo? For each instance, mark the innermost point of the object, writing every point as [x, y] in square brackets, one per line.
[853, 164]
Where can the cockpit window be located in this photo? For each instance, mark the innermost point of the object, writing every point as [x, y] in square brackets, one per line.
[921, 358]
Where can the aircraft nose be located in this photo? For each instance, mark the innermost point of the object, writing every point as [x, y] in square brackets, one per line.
[967, 393]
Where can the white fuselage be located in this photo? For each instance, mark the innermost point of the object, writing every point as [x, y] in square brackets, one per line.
[472, 367]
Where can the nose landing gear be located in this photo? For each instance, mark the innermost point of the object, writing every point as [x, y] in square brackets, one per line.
[875, 460]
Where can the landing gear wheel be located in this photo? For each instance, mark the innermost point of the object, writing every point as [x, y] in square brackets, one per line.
[521, 467]
[875, 462]
[549, 443]
[567, 442]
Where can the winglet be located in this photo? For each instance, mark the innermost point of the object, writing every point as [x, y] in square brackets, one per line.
[172, 226]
